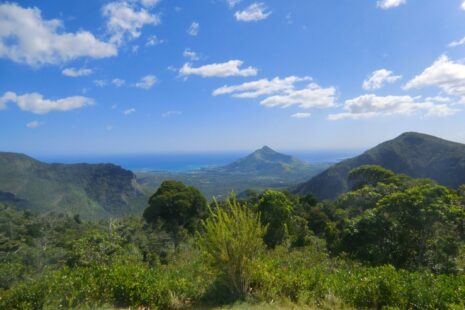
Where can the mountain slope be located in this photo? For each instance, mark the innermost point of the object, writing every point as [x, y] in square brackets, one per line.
[266, 161]
[264, 168]
[89, 190]
[415, 154]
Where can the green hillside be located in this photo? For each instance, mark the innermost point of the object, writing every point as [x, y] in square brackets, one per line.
[93, 191]
[415, 154]
[264, 168]
[266, 161]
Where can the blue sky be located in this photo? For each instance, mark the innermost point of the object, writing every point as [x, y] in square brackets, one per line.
[142, 76]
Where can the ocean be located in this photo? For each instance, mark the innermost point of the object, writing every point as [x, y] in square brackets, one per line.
[185, 161]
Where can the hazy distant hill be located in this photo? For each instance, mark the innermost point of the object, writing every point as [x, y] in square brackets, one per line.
[264, 168]
[89, 190]
[417, 155]
[266, 161]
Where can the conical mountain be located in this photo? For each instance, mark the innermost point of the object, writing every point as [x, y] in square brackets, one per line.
[266, 161]
[415, 154]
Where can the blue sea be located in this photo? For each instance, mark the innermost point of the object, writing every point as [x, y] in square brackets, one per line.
[185, 161]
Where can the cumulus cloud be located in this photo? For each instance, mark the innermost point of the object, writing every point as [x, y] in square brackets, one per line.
[146, 82]
[379, 78]
[188, 53]
[283, 92]
[118, 82]
[301, 115]
[34, 124]
[457, 43]
[100, 83]
[193, 29]
[233, 3]
[73, 72]
[389, 4]
[149, 3]
[36, 103]
[444, 73]
[129, 111]
[367, 106]
[153, 40]
[255, 12]
[125, 21]
[311, 96]
[226, 69]
[261, 87]
[27, 38]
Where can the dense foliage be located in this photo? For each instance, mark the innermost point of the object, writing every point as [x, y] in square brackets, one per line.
[393, 242]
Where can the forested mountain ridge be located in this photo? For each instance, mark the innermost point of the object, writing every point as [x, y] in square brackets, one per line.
[90, 190]
[415, 154]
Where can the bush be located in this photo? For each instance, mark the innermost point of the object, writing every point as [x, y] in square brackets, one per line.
[231, 243]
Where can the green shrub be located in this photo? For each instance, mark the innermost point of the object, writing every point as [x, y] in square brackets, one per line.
[232, 241]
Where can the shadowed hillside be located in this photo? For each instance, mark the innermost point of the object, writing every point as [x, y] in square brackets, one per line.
[89, 190]
[415, 154]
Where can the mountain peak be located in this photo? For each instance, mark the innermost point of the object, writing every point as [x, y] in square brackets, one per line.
[267, 161]
[265, 149]
[415, 154]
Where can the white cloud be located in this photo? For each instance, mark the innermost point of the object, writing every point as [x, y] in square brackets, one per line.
[370, 105]
[73, 72]
[146, 82]
[149, 3]
[463, 6]
[36, 103]
[226, 69]
[439, 99]
[7, 97]
[188, 53]
[389, 4]
[261, 87]
[34, 124]
[171, 113]
[283, 92]
[193, 29]
[457, 43]
[444, 73]
[153, 40]
[118, 82]
[379, 78]
[100, 83]
[233, 3]
[125, 21]
[255, 12]
[27, 38]
[301, 115]
[312, 96]
[129, 111]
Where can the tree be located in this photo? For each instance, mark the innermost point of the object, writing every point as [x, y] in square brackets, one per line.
[276, 213]
[422, 226]
[178, 207]
[369, 175]
[232, 240]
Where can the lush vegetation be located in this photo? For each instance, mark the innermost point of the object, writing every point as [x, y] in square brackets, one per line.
[391, 242]
[91, 190]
